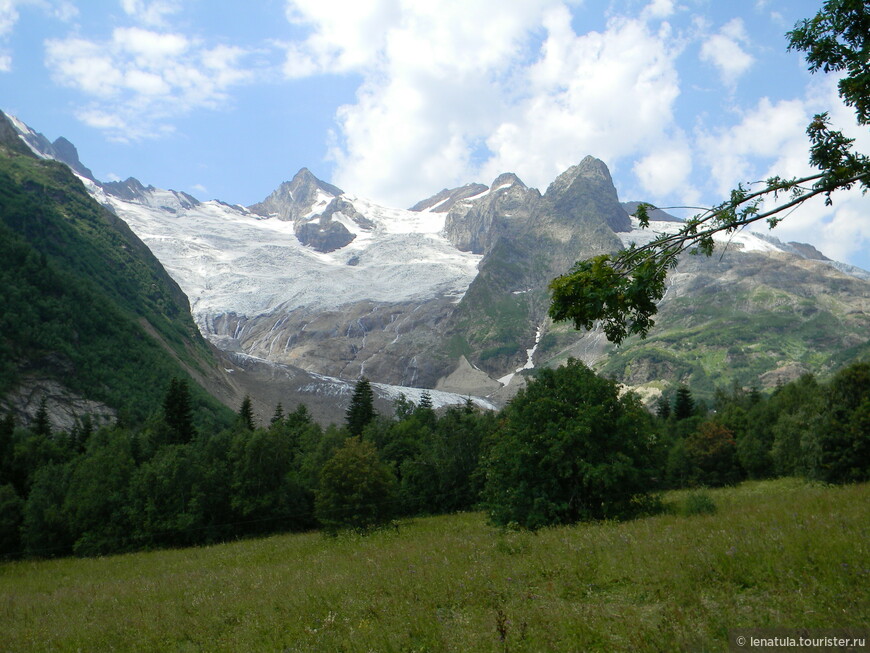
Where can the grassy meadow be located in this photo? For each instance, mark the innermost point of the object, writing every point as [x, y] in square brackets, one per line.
[783, 553]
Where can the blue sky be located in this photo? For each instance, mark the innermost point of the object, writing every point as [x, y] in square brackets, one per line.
[396, 99]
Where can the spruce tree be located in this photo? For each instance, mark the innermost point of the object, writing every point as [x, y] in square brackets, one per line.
[684, 405]
[663, 408]
[178, 413]
[279, 414]
[361, 410]
[246, 414]
[41, 424]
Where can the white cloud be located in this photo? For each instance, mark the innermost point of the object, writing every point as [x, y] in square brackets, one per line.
[659, 9]
[769, 131]
[459, 92]
[725, 51]
[665, 171]
[151, 13]
[9, 14]
[140, 79]
[770, 140]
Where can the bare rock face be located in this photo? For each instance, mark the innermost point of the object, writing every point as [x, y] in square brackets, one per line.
[297, 198]
[475, 225]
[468, 380]
[324, 236]
[64, 407]
[585, 192]
[446, 199]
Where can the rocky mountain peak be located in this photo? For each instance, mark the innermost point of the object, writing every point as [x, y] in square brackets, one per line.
[297, 198]
[590, 171]
[9, 137]
[506, 179]
[67, 153]
[34, 142]
[447, 198]
[586, 191]
[131, 189]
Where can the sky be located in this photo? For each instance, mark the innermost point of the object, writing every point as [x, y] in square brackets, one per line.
[396, 99]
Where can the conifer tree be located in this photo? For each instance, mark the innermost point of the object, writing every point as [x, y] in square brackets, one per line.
[178, 413]
[246, 414]
[41, 424]
[279, 414]
[361, 410]
[663, 408]
[684, 404]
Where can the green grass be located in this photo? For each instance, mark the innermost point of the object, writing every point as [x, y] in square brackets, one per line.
[781, 553]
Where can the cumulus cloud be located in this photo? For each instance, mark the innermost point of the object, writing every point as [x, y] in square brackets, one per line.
[665, 171]
[9, 14]
[770, 140]
[153, 13]
[659, 9]
[140, 79]
[458, 92]
[724, 50]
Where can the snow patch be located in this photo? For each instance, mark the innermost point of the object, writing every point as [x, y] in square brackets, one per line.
[530, 359]
[229, 261]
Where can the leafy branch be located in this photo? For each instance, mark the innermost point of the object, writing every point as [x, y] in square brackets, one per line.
[621, 291]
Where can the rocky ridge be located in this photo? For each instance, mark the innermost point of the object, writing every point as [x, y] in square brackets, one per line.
[453, 293]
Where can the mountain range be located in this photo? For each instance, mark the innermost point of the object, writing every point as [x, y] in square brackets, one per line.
[301, 294]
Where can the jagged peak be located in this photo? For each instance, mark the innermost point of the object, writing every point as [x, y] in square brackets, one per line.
[10, 138]
[446, 198]
[507, 179]
[305, 178]
[589, 168]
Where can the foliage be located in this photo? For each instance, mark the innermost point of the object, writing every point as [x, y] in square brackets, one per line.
[712, 455]
[840, 451]
[569, 448]
[622, 290]
[84, 301]
[357, 490]
[698, 502]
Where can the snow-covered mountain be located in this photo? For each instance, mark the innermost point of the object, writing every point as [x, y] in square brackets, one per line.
[452, 293]
[229, 260]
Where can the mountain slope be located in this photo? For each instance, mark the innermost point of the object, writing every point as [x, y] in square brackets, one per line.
[452, 294]
[90, 318]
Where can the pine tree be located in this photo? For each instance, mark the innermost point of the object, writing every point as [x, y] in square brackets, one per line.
[426, 401]
[684, 405]
[279, 414]
[246, 414]
[663, 408]
[361, 410]
[7, 429]
[41, 424]
[178, 413]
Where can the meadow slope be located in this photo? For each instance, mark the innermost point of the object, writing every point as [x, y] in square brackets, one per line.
[777, 553]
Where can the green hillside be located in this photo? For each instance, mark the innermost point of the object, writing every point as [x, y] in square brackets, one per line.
[783, 553]
[84, 301]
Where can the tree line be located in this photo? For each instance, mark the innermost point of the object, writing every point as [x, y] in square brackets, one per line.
[570, 446]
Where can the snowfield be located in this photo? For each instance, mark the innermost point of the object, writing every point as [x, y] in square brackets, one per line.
[745, 240]
[228, 260]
